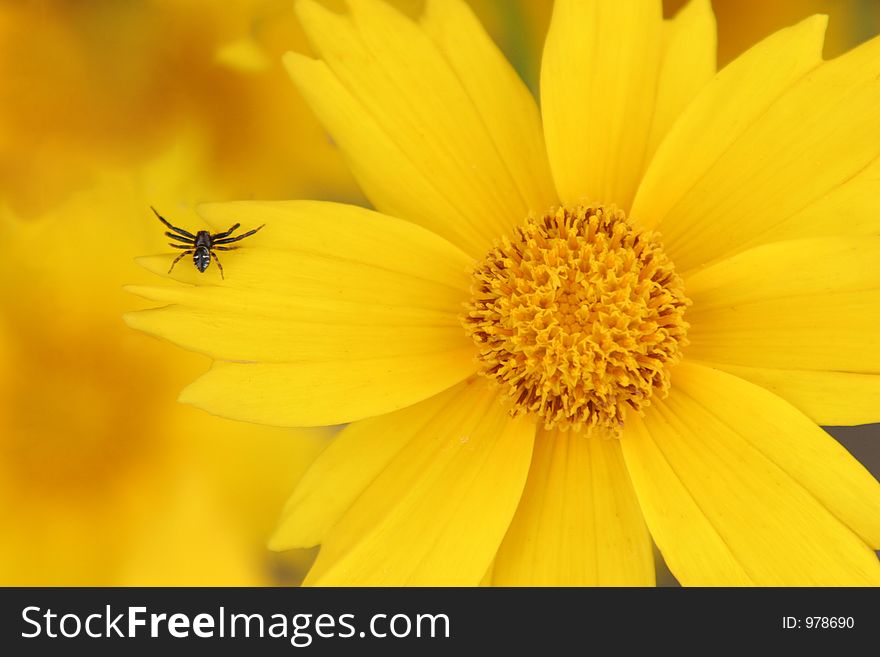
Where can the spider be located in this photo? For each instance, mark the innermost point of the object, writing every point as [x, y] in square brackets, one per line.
[203, 244]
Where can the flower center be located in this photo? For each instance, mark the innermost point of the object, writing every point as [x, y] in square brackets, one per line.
[578, 316]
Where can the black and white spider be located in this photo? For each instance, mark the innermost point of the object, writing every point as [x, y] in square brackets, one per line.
[203, 244]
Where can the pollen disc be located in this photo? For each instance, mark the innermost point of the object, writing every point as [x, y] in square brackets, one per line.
[578, 316]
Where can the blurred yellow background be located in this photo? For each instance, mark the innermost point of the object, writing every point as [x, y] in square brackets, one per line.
[106, 108]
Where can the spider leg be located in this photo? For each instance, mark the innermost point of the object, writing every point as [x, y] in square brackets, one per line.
[181, 238]
[178, 258]
[174, 228]
[227, 240]
[178, 246]
[217, 260]
[225, 233]
[226, 248]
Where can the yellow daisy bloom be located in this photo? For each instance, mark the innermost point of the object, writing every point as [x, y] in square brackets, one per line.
[565, 333]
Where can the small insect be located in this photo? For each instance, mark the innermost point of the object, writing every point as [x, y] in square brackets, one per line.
[203, 244]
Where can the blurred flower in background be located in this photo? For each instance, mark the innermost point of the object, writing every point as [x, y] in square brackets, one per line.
[89, 85]
[107, 107]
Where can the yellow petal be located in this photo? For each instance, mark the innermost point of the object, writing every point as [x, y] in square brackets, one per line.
[827, 398]
[735, 173]
[738, 487]
[487, 578]
[598, 84]
[352, 460]
[506, 106]
[392, 180]
[416, 140]
[295, 330]
[725, 108]
[798, 317]
[689, 60]
[578, 522]
[437, 512]
[323, 394]
[334, 313]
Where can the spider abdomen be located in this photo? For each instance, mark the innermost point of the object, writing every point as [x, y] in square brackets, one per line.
[202, 254]
[202, 258]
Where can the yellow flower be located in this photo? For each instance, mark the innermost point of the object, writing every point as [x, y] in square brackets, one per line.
[550, 354]
[104, 480]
